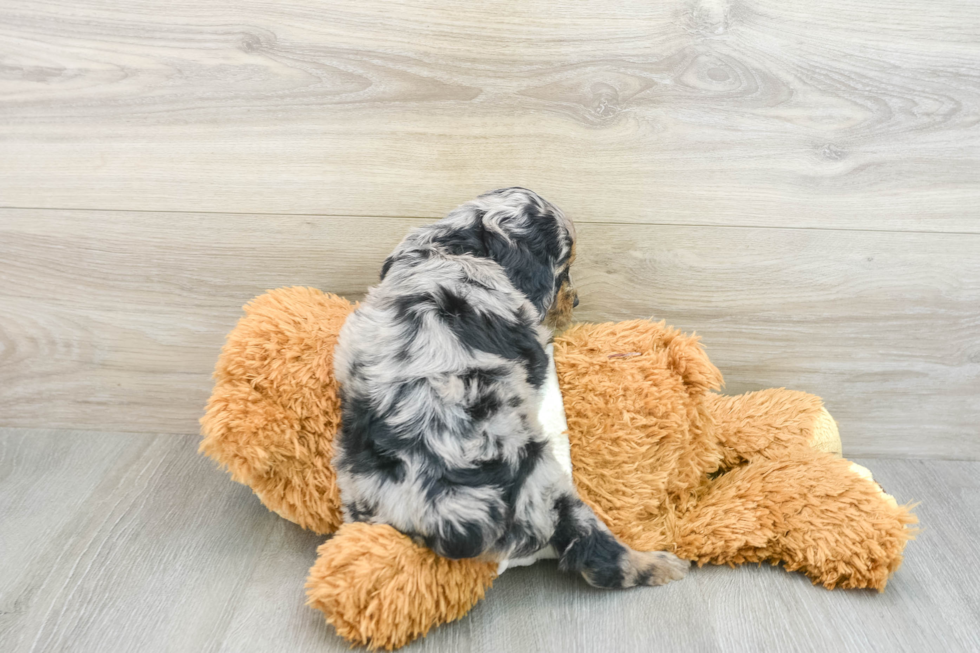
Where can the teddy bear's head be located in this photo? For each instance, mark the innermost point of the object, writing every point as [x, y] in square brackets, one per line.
[275, 407]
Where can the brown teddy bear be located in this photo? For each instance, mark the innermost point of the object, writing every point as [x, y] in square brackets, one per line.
[664, 461]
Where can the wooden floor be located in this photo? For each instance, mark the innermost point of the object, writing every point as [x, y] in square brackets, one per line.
[133, 542]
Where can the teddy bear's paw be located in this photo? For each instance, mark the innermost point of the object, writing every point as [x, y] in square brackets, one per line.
[825, 436]
[656, 567]
[865, 473]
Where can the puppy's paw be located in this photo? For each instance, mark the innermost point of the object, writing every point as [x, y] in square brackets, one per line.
[657, 567]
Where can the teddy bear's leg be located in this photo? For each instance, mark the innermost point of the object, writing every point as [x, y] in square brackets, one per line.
[810, 510]
[379, 589]
[770, 422]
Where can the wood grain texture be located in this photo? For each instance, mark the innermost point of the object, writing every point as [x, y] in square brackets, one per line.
[115, 319]
[132, 542]
[153, 556]
[728, 112]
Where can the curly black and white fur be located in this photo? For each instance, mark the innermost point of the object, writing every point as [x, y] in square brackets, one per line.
[440, 370]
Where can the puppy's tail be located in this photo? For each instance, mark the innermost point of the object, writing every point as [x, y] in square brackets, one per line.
[585, 545]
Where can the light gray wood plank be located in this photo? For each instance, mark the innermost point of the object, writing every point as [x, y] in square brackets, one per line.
[758, 112]
[125, 313]
[884, 327]
[153, 558]
[133, 542]
[71, 469]
[114, 320]
[270, 612]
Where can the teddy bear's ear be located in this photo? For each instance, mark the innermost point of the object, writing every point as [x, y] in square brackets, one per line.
[274, 410]
[688, 358]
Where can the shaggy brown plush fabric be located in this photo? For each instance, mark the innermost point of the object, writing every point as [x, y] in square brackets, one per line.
[274, 409]
[726, 480]
[387, 606]
[640, 437]
[664, 461]
[806, 510]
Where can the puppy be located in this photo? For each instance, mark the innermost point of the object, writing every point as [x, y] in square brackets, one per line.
[440, 369]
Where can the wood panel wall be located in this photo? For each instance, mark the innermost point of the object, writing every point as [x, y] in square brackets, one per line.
[797, 182]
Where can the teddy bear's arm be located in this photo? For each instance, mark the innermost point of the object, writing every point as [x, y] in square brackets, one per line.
[809, 510]
[768, 423]
[381, 590]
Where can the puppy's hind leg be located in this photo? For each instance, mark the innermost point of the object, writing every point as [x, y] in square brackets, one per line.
[585, 545]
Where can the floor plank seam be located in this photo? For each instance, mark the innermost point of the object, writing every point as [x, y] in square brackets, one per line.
[433, 218]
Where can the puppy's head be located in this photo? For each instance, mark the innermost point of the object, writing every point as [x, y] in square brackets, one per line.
[534, 243]
[530, 238]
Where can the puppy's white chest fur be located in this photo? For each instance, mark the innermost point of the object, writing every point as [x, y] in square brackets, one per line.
[552, 415]
[555, 427]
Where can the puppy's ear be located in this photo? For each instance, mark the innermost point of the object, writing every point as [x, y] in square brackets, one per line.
[462, 232]
[526, 264]
[387, 266]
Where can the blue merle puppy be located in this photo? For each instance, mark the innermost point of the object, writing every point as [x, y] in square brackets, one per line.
[440, 369]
